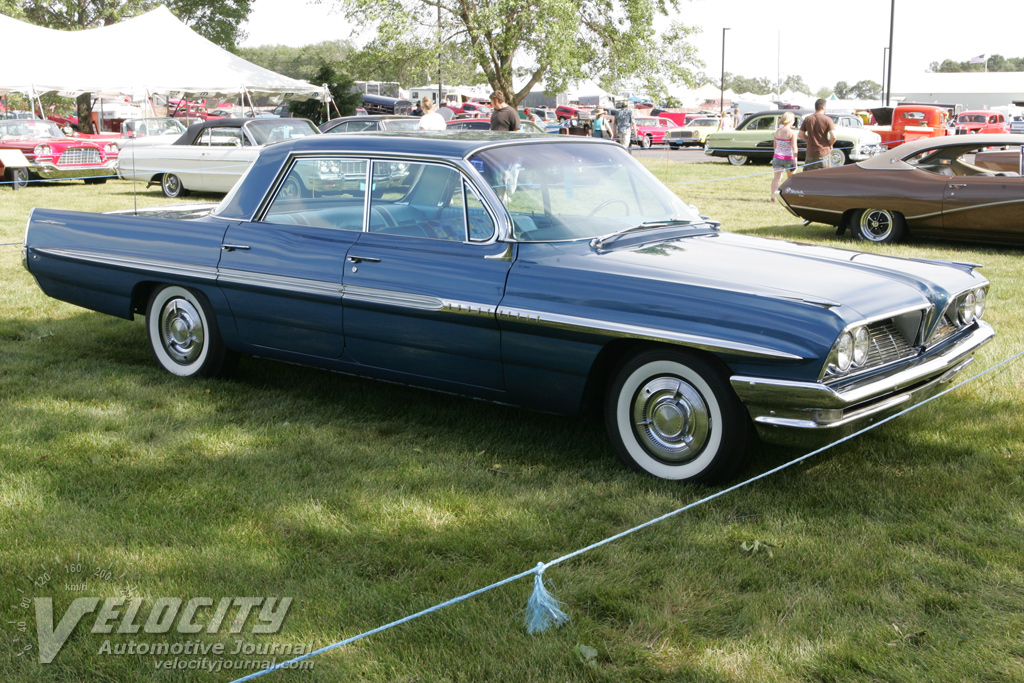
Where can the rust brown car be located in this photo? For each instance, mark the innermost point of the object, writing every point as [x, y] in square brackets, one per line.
[957, 187]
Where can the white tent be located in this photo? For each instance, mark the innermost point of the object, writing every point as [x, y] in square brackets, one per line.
[153, 52]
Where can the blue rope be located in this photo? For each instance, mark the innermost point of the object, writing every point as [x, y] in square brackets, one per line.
[543, 602]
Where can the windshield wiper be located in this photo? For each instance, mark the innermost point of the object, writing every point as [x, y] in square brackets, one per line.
[600, 242]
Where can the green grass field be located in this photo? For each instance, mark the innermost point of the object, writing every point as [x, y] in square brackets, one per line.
[894, 557]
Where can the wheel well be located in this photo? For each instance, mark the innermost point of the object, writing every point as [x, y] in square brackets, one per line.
[140, 296]
[613, 355]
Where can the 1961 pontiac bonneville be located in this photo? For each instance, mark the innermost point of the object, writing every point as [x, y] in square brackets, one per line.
[552, 273]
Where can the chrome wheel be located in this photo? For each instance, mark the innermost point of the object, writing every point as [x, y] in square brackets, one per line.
[183, 334]
[646, 141]
[292, 188]
[837, 157]
[17, 177]
[737, 159]
[673, 415]
[879, 225]
[172, 187]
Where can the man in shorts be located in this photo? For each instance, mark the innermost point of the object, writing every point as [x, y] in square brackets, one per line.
[819, 132]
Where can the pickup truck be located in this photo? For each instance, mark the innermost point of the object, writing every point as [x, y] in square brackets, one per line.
[909, 122]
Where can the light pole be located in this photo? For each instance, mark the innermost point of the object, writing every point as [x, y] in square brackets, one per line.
[885, 52]
[721, 97]
[888, 82]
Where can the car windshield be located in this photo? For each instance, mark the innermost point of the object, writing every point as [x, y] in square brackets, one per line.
[971, 118]
[698, 123]
[143, 127]
[265, 131]
[31, 128]
[570, 191]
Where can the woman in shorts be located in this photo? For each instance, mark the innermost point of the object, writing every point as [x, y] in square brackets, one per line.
[784, 158]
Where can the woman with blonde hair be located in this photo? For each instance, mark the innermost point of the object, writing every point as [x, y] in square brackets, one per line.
[431, 120]
[786, 147]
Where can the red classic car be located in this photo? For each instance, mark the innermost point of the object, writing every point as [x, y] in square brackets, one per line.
[650, 130]
[982, 122]
[53, 155]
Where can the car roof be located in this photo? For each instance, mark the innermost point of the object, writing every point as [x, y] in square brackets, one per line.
[892, 158]
[452, 145]
[334, 123]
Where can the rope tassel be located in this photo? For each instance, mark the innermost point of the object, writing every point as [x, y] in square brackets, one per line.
[543, 609]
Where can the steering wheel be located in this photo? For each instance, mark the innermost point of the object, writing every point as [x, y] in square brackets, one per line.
[609, 202]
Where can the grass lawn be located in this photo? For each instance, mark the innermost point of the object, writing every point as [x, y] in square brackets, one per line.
[894, 557]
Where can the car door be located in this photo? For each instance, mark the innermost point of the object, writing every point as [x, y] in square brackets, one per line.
[282, 274]
[423, 284]
[227, 153]
[985, 206]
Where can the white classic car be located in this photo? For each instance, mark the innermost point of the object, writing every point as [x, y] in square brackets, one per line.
[210, 156]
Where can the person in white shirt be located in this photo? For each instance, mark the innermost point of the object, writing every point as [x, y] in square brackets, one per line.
[431, 120]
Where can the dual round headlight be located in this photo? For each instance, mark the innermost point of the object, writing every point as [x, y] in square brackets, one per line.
[110, 148]
[42, 151]
[971, 307]
[852, 349]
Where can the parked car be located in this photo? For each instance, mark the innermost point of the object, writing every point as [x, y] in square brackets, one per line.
[906, 122]
[985, 122]
[551, 272]
[50, 154]
[369, 123]
[752, 140]
[933, 187]
[472, 109]
[694, 133]
[485, 124]
[651, 130]
[18, 114]
[567, 112]
[210, 156]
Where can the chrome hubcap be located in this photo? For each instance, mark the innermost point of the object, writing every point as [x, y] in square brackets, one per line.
[877, 223]
[671, 419]
[182, 331]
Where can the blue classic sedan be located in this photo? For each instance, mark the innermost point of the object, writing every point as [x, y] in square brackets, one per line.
[552, 273]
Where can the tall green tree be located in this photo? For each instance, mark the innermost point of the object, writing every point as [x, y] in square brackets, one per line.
[340, 86]
[559, 42]
[994, 63]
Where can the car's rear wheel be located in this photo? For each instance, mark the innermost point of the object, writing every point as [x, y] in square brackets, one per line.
[738, 159]
[674, 416]
[172, 187]
[880, 225]
[17, 177]
[183, 334]
[837, 157]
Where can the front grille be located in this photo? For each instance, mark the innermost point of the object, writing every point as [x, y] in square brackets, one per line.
[887, 344]
[76, 156]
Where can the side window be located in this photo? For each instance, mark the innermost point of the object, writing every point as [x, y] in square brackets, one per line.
[762, 123]
[204, 139]
[481, 227]
[321, 193]
[417, 200]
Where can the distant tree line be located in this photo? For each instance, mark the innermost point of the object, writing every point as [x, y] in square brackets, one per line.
[995, 63]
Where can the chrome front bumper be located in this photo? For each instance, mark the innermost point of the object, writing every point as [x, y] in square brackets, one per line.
[811, 413]
[54, 172]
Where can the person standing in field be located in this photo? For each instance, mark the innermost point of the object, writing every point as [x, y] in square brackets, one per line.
[503, 117]
[819, 132]
[431, 119]
[625, 124]
[786, 146]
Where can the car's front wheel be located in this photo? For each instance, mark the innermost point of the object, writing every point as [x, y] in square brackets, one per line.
[17, 177]
[738, 159]
[183, 334]
[645, 141]
[837, 157]
[880, 225]
[674, 416]
[172, 187]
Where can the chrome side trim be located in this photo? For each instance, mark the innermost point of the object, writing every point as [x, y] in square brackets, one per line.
[389, 298]
[965, 208]
[636, 332]
[814, 208]
[280, 282]
[132, 263]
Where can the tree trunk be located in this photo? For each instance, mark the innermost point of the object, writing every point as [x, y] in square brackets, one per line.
[85, 113]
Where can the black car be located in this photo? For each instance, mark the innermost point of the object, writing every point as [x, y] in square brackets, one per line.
[370, 123]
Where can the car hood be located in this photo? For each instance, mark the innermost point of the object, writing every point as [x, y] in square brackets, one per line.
[857, 285]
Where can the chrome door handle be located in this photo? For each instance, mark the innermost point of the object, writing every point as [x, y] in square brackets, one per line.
[233, 247]
[360, 259]
[952, 185]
